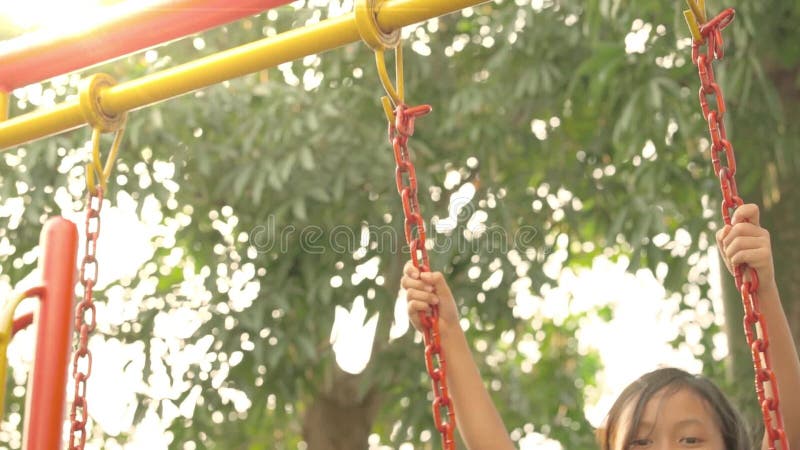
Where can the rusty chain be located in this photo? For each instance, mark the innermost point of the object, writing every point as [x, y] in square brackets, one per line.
[85, 321]
[755, 325]
[406, 179]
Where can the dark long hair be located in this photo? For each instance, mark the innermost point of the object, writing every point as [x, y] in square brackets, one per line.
[733, 428]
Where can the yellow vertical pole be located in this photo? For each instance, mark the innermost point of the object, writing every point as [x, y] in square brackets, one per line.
[4, 102]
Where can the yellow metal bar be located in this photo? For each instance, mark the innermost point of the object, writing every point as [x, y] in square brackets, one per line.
[4, 99]
[6, 326]
[27, 127]
[398, 13]
[248, 58]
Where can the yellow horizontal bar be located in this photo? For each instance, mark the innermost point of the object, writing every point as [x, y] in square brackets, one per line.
[62, 117]
[229, 64]
[238, 61]
[396, 14]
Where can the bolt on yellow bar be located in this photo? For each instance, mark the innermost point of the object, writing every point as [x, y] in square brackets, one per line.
[238, 61]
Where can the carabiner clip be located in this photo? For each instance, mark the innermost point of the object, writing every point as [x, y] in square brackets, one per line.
[695, 15]
[95, 170]
[90, 93]
[366, 14]
[394, 96]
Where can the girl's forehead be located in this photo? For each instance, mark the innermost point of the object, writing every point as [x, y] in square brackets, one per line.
[671, 403]
[666, 409]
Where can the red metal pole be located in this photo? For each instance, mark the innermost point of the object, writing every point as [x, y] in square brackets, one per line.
[48, 380]
[41, 55]
[21, 322]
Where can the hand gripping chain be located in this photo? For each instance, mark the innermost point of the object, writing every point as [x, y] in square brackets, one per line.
[755, 326]
[406, 178]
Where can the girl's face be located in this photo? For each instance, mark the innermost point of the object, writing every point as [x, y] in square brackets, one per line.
[671, 420]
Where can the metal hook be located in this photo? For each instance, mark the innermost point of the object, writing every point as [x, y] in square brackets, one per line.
[91, 91]
[366, 13]
[395, 96]
[695, 15]
[96, 167]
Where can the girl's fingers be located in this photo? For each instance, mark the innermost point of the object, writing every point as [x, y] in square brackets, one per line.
[753, 257]
[422, 296]
[746, 213]
[414, 308]
[436, 279]
[411, 271]
[743, 243]
[721, 234]
[743, 229]
[410, 283]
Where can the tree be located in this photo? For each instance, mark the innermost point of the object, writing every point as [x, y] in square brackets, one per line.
[560, 129]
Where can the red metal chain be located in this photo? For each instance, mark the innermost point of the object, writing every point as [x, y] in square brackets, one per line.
[755, 326]
[85, 322]
[406, 178]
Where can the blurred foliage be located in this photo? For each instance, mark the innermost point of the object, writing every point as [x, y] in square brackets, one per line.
[573, 136]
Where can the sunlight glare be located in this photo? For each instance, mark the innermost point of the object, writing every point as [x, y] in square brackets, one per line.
[401, 322]
[52, 14]
[352, 338]
[537, 441]
[637, 338]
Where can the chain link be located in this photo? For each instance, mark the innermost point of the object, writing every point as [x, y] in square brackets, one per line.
[755, 326]
[406, 179]
[85, 321]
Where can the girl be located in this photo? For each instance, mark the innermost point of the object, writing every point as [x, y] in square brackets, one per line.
[664, 409]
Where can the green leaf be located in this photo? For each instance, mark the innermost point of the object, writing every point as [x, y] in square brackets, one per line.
[287, 164]
[306, 158]
[319, 194]
[241, 178]
[655, 94]
[299, 210]
[258, 186]
[309, 351]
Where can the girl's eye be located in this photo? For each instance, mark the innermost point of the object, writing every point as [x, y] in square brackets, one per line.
[637, 443]
[690, 440]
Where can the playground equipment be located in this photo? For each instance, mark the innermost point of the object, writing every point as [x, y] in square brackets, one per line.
[401, 120]
[103, 104]
[59, 241]
[253, 57]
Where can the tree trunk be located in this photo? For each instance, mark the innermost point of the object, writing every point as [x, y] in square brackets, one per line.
[784, 229]
[783, 219]
[341, 416]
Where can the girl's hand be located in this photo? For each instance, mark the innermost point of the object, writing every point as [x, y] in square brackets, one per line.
[745, 242]
[426, 289]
